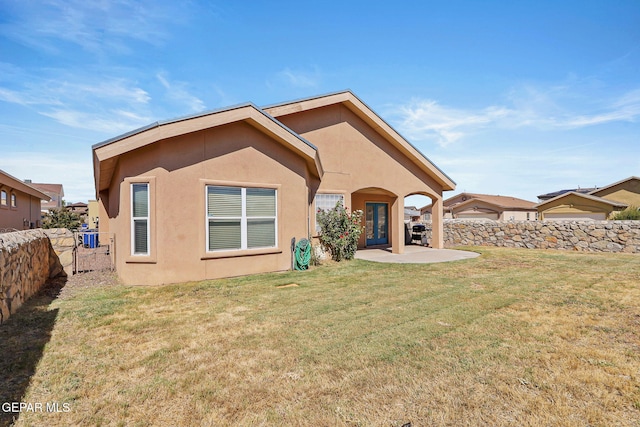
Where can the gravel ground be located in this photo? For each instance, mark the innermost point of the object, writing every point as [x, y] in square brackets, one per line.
[66, 287]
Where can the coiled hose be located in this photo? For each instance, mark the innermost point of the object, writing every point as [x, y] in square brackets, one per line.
[302, 254]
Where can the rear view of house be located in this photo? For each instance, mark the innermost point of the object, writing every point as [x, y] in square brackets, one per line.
[222, 193]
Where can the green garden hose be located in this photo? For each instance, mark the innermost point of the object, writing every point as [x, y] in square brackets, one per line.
[302, 254]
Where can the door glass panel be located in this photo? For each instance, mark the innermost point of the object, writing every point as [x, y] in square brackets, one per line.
[369, 221]
[382, 221]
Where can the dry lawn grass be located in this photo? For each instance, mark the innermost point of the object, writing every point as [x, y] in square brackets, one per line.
[514, 337]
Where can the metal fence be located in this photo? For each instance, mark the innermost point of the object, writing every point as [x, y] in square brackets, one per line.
[93, 251]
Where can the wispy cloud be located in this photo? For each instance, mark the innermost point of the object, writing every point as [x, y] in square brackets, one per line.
[112, 121]
[107, 104]
[300, 78]
[427, 119]
[177, 91]
[96, 26]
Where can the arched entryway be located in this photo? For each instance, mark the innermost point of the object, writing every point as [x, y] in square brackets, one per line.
[382, 214]
[433, 212]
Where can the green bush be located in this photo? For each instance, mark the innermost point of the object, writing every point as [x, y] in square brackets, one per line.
[339, 231]
[632, 212]
[61, 218]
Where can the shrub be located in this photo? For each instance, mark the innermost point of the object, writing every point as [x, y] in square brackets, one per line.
[631, 212]
[339, 231]
[61, 218]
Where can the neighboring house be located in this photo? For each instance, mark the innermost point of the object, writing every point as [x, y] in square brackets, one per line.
[626, 191]
[79, 208]
[19, 204]
[54, 191]
[485, 206]
[223, 193]
[549, 196]
[411, 214]
[597, 204]
[93, 214]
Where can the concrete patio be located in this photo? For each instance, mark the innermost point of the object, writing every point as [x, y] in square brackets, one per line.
[414, 254]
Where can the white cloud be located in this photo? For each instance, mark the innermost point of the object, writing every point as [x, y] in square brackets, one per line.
[427, 119]
[299, 78]
[110, 122]
[101, 104]
[177, 91]
[423, 120]
[96, 26]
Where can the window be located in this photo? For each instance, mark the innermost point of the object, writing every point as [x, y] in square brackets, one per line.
[3, 198]
[326, 202]
[14, 200]
[240, 218]
[140, 219]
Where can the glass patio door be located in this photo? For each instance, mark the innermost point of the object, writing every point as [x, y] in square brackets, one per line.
[376, 224]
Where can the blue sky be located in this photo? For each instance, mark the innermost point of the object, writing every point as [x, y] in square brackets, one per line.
[513, 98]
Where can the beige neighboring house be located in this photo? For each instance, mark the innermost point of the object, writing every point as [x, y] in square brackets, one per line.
[93, 214]
[223, 193]
[54, 191]
[485, 206]
[79, 208]
[20, 204]
[596, 204]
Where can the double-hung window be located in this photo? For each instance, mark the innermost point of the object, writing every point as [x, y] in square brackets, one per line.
[140, 219]
[240, 218]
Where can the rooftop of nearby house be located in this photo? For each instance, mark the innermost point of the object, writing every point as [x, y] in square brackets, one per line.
[502, 202]
[561, 192]
[48, 188]
[25, 187]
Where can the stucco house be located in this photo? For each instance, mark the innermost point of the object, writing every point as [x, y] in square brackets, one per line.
[19, 204]
[222, 193]
[485, 206]
[55, 193]
[596, 204]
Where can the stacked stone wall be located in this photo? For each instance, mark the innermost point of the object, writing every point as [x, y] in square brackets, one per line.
[589, 236]
[27, 261]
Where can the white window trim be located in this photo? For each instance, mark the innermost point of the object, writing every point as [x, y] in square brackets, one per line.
[243, 219]
[134, 218]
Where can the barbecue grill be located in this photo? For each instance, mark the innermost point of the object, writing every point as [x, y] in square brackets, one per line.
[419, 233]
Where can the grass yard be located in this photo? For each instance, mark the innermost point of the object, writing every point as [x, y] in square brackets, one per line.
[513, 337]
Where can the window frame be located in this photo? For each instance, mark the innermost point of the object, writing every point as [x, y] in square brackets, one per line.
[4, 201]
[244, 220]
[146, 218]
[316, 208]
[13, 200]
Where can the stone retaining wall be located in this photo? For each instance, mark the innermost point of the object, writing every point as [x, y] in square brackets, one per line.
[27, 261]
[592, 236]
[63, 243]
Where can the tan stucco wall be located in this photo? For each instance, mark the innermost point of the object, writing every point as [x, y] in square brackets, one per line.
[28, 208]
[93, 213]
[361, 163]
[626, 192]
[178, 170]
